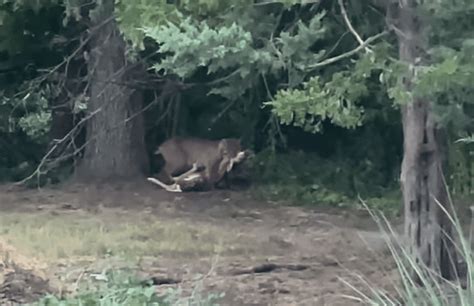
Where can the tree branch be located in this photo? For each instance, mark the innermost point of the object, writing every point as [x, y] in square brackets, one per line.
[349, 53]
[351, 28]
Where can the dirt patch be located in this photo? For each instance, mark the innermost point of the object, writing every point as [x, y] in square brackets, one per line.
[20, 286]
[258, 253]
[22, 279]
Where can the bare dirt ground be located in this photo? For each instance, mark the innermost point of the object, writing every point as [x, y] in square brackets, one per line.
[258, 253]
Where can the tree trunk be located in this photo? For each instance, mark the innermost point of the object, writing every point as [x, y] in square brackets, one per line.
[422, 183]
[115, 132]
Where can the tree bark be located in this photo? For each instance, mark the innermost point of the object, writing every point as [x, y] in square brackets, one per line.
[426, 225]
[115, 132]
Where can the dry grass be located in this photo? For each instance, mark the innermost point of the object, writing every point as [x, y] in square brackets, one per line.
[51, 237]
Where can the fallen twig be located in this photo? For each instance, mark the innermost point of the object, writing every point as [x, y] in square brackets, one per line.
[270, 267]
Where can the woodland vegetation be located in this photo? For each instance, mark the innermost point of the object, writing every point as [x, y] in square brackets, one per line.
[339, 99]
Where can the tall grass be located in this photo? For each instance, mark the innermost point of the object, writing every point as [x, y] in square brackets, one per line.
[431, 289]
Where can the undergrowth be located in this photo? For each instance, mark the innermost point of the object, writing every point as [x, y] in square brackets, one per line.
[302, 178]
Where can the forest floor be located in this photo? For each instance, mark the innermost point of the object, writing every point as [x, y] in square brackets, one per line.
[52, 240]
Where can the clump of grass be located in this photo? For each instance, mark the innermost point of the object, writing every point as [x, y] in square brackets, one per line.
[432, 289]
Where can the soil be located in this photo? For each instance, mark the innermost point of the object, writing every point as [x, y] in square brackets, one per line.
[300, 256]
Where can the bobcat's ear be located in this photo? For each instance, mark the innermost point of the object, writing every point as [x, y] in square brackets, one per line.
[237, 141]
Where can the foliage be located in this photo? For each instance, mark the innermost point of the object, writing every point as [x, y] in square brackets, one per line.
[133, 17]
[446, 73]
[28, 119]
[235, 50]
[261, 49]
[446, 78]
[448, 82]
[306, 178]
[318, 101]
[25, 113]
[237, 57]
[30, 115]
[119, 288]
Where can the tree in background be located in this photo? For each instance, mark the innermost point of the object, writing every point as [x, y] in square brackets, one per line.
[115, 130]
[111, 110]
[425, 195]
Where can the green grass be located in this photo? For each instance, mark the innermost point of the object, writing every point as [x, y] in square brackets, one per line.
[50, 237]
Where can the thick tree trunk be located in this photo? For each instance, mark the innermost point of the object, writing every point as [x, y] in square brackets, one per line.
[115, 133]
[426, 225]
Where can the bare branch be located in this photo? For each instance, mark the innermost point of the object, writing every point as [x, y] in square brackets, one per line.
[70, 134]
[349, 53]
[351, 28]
